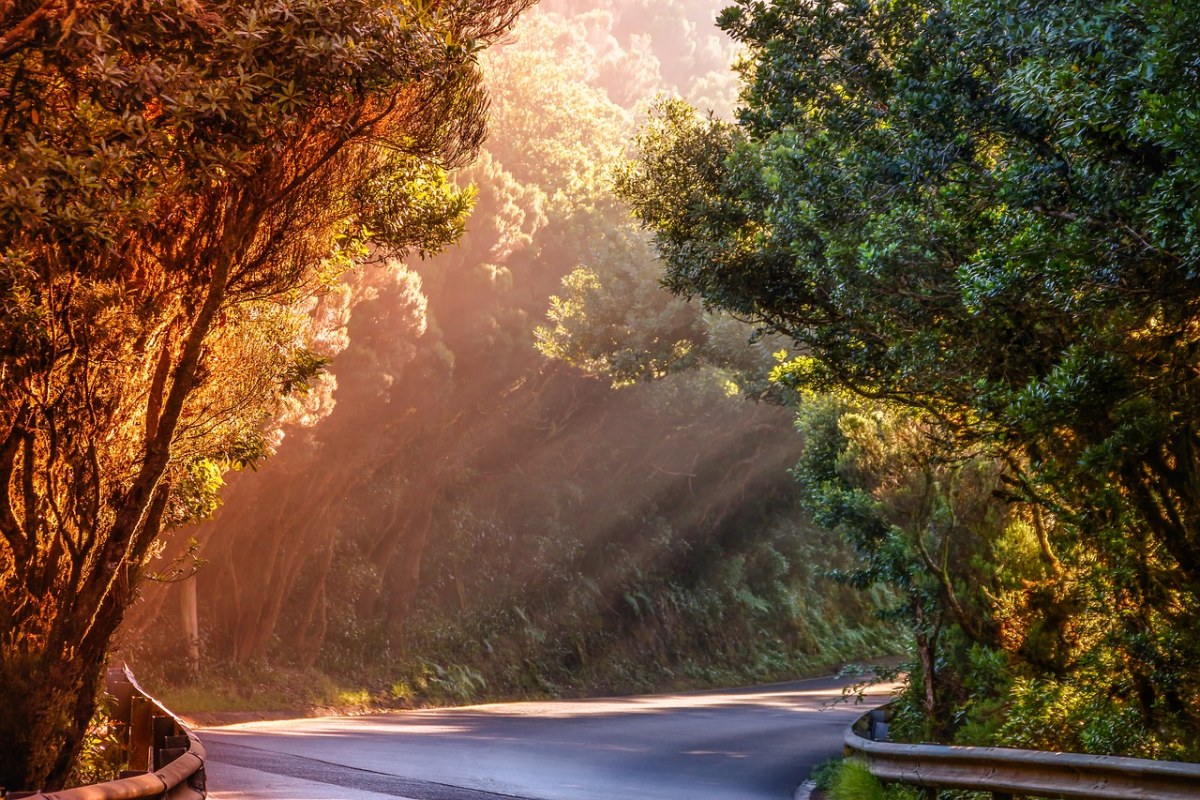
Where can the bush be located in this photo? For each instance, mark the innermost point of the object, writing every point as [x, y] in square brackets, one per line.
[102, 755]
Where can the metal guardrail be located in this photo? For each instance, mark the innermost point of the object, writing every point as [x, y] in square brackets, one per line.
[1008, 773]
[166, 760]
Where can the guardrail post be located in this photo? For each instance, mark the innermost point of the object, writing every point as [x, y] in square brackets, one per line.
[172, 747]
[121, 691]
[163, 729]
[141, 735]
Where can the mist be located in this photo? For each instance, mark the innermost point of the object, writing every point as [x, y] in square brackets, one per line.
[471, 493]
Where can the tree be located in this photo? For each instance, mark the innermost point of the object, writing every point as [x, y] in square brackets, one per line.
[981, 210]
[175, 180]
[375, 472]
[470, 503]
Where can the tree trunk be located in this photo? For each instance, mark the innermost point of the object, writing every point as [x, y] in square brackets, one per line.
[74, 600]
[49, 698]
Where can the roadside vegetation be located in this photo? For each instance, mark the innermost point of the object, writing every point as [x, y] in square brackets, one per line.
[962, 429]
[505, 496]
[840, 330]
[180, 183]
[973, 223]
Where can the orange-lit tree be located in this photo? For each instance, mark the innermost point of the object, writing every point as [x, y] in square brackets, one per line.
[176, 177]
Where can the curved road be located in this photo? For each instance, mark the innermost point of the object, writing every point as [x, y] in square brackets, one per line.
[738, 744]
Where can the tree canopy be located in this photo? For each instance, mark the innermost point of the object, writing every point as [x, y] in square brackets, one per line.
[176, 179]
[473, 519]
[984, 211]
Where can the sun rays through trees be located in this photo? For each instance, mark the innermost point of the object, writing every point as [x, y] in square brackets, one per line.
[177, 180]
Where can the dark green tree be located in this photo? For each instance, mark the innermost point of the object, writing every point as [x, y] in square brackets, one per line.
[984, 211]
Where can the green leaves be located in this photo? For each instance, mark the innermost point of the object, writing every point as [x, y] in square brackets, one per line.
[977, 210]
[936, 199]
[181, 184]
[408, 203]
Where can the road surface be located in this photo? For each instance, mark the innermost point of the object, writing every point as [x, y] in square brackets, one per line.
[739, 744]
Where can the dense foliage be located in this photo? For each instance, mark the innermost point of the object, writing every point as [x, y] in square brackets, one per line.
[176, 179]
[982, 212]
[471, 517]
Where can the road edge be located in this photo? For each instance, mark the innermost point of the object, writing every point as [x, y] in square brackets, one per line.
[804, 791]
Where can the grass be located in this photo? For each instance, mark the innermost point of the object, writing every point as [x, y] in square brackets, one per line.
[823, 774]
[261, 689]
[852, 780]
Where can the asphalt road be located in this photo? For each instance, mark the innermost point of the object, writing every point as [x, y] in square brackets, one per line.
[739, 744]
